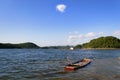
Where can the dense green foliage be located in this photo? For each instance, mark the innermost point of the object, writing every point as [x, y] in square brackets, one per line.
[78, 47]
[21, 45]
[103, 42]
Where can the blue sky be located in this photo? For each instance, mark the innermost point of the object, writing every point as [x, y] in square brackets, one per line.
[58, 22]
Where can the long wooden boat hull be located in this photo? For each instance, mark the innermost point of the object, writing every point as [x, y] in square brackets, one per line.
[77, 65]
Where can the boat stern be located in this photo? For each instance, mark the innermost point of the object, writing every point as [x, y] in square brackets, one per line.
[69, 68]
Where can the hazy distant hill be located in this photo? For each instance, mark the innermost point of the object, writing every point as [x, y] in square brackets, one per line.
[20, 45]
[56, 47]
[103, 42]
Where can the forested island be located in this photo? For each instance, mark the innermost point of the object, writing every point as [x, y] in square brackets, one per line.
[108, 42]
[18, 46]
[29, 45]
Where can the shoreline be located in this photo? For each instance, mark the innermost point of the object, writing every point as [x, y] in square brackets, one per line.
[100, 48]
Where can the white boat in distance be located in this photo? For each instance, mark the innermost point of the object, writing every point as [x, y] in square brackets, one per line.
[71, 48]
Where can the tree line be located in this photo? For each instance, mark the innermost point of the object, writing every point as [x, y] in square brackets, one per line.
[102, 42]
[20, 45]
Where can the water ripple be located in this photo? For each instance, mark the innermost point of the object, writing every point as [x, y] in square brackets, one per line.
[48, 64]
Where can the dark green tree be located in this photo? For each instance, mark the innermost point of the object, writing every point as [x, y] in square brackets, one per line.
[103, 42]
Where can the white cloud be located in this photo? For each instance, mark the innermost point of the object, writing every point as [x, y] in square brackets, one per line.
[91, 34]
[74, 39]
[101, 33]
[61, 7]
[116, 33]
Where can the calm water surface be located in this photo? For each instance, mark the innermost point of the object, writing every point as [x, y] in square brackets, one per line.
[48, 64]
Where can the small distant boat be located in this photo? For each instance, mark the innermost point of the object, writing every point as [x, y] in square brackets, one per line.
[71, 48]
[79, 64]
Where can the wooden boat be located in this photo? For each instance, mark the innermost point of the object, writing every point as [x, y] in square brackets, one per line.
[79, 64]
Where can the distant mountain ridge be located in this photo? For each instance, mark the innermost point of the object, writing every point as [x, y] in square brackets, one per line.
[20, 45]
[103, 42]
[108, 42]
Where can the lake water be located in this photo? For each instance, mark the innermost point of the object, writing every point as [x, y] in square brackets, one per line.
[48, 64]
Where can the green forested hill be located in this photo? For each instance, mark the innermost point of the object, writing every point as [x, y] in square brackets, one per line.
[103, 42]
[21, 45]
